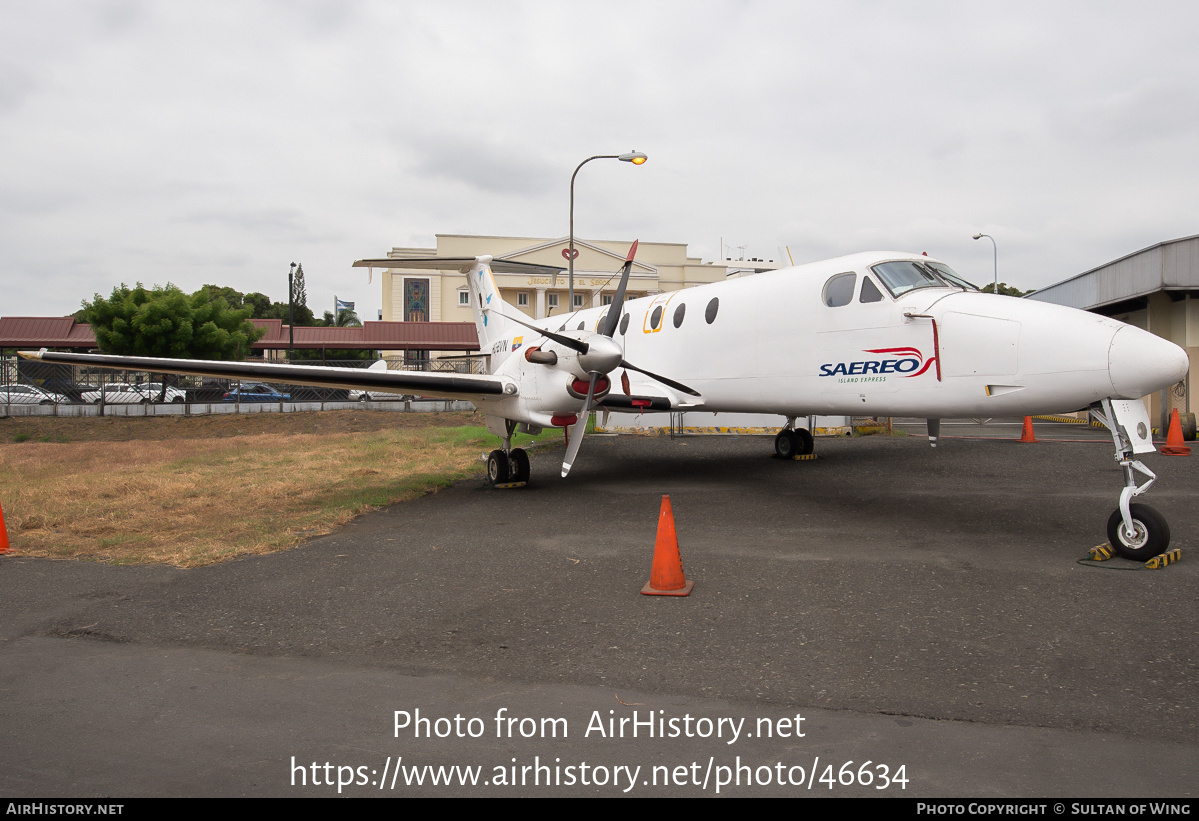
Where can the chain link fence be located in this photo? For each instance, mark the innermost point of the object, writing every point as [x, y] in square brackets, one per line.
[26, 385]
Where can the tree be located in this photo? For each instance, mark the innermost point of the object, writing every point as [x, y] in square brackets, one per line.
[299, 293]
[1004, 289]
[167, 322]
[346, 318]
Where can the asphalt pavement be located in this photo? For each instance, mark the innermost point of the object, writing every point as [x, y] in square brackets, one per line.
[887, 619]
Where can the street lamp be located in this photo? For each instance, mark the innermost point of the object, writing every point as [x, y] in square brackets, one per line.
[995, 249]
[636, 158]
[291, 318]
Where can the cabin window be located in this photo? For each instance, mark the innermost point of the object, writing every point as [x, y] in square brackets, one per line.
[582, 325]
[655, 318]
[624, 324]
[870, 291]
[838, 291]
[679, 312]
[710, 311]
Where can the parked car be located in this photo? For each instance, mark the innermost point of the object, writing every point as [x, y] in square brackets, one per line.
[256, 392]
[126, 393]
[29, 395]
[376, 396]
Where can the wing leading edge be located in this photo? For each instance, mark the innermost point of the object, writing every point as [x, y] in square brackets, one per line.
[448, 385]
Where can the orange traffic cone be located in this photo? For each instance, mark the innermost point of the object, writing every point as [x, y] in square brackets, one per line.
[1174, 445]
[666, 578]
[1027, 435]
[3, 534]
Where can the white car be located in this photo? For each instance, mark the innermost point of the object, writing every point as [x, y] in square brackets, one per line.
[29, 395]
[125, 393]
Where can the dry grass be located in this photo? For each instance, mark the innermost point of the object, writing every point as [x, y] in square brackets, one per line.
[195, 501]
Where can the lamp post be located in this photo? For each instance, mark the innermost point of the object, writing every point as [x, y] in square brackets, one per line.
[291, 321]
[995, 250]
[636, 158]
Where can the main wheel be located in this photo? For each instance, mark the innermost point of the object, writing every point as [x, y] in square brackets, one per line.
[806, 443]
[497, 467]
[520, 465]
[785, 444]
[1150, 537]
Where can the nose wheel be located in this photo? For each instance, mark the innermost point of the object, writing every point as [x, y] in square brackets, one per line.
[1148, 537]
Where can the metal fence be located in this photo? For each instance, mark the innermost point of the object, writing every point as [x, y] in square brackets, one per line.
[26, 384]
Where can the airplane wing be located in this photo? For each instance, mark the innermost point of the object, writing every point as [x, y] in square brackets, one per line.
[447, 385]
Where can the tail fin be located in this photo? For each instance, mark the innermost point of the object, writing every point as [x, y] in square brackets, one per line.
[490, 323]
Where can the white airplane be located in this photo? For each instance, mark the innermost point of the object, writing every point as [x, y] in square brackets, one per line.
[872, 334]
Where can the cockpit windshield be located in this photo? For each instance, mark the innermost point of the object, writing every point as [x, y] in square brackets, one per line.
[906, 275]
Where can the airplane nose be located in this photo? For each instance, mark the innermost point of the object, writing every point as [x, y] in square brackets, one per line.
[1140, 363]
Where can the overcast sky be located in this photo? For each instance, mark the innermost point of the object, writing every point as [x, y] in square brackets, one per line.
[217, 142]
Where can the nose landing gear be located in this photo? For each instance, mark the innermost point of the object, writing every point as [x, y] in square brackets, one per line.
[1136, 531]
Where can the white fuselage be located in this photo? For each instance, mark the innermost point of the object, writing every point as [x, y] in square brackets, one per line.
[773, 343]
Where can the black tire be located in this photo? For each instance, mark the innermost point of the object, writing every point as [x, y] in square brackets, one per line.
[519, 461]
[807, 444]
[786, 444]
[178, 400]
[144, 402]
[1152, 536]
[497, 467]
[366, 397]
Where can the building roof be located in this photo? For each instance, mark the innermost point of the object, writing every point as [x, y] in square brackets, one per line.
[31, 332]
[45, 332]
[373, 335]
[1172, 265]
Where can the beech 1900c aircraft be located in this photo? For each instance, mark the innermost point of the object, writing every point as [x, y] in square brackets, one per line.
[872, 334]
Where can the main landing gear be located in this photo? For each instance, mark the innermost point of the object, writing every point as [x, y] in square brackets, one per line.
[792, 441]
[508, 467]
[1135, 531]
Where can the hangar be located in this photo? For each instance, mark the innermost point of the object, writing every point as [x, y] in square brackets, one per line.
[1155, 289]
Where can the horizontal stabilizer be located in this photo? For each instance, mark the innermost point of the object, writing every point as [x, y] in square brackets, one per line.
[462, 264]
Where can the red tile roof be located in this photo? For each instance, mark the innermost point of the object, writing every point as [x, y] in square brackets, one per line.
[31, 332]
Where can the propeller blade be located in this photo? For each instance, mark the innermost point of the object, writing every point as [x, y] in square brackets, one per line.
[580, 426]
[670, 383]
[573, 344]
[613, 317]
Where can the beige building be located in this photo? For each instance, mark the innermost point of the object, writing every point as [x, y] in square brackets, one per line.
[441, 296]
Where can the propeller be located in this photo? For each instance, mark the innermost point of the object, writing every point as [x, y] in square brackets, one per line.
[598, 356]
[605, 355]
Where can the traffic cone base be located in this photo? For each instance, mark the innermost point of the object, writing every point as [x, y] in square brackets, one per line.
[666, 578]
[1174, 442]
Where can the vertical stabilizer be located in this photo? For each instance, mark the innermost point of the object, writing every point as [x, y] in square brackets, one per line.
[494, 329]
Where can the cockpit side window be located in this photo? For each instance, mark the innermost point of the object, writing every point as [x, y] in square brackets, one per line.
[870, 291]
[839, 290]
